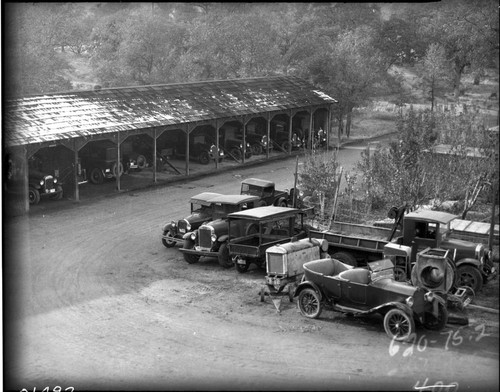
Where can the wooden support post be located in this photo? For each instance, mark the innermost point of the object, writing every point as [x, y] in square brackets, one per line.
[75, 171]
[154, 157]
[217, 143]
[290, 134]
[311, 128]
[118, 160]
[268, 134]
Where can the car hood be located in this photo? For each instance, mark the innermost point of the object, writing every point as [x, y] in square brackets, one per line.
[394, 286]
[197, 217]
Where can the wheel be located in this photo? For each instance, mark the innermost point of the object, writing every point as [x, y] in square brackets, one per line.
[398, 325]
[57, 196]
[283, 203]
[204, 158]
[117, 169]
[236, 154]
[399, 273]
[345, 258]
[286, 146]
[190, 258]
[96, 176]
[309, 303]
[257, 149]
[242, 268]
[253, 228]
[262, 203]
[141, 162]
[437, 324]
[33, 195]
[168, 243]
[467, 275]
[223, 257]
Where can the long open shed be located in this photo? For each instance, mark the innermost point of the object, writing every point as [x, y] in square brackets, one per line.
[76, 118]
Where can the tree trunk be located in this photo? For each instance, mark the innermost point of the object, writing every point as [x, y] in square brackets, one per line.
[348, 121]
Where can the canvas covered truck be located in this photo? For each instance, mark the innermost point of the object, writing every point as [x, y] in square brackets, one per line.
[357, 245]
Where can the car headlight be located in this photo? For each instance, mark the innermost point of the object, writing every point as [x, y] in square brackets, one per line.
[409, 301]
[193, 236]
[42, 182]
[188, 227]
[55, 180]
[301, 193]
[213, 237]
[108, 170]
[241, 145]
[248, 145]
[173, 223]
[429, 296]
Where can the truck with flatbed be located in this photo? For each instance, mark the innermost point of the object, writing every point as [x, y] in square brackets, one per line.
[357, 245]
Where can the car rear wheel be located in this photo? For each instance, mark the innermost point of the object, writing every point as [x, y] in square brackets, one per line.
[399, 325]
[167, 242]
[204, 158]
[33, 195]
[96, 176]
[436, 323]
[309, 303]
[223, 257]
[242, 268]
[345, 258]
[190, 258]
[256, 149]
[469, 276]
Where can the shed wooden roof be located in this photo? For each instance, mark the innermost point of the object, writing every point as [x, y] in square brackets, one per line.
[49, 117]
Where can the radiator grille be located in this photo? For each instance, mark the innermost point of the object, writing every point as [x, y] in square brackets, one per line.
[275, 263]
[49, 182]
[205, 234]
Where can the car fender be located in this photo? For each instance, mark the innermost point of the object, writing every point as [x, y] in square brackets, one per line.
[279, 200]
[470, 261]
[187, 235]
[389, 305]
[307, 284]
[167, 227]
[223, 238]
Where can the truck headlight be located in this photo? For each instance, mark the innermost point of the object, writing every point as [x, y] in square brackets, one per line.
[193, 236]
[409, 301]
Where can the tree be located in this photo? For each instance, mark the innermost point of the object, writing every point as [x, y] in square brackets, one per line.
[433, 69]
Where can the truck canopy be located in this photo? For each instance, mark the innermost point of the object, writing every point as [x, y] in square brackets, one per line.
[431, 216]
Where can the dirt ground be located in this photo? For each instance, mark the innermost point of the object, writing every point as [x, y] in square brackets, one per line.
[97, 303]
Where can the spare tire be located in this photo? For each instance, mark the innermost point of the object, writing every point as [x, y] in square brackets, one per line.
[114, 169]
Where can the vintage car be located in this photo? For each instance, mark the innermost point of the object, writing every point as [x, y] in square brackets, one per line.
[202, 148]
[253, 231]
[281, 138]
[42, 184]
[234, 148]
[100, 162]
[201, 211]
[258, 142]
[269, 196]
[361, 291]
[210, 239]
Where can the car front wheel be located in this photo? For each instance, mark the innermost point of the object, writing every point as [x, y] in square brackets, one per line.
[33, 195]
[467, 275]
[190, 258]
[309, 303]
[223, 257]
[168, 242]
[399, 325]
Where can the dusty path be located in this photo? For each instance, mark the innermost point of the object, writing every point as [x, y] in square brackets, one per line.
[101, 304]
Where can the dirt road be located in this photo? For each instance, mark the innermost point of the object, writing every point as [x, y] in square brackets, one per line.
[100, 304]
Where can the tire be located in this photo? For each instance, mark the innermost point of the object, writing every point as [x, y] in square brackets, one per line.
[309, 303]
[117, 169]
[204, 158]
[190, 258]
[168, 243]
[470, 276]
[223, 257]
[141, 162]
[399, 325]
[262, 203]
[437, 324]
[242, 268]
[399, 274]
[236, 154]
[285, 146]
[257, 149]
[33, 195]
[57, 196]
[96, 176]
[345, 258]
[252, 228]
[283, 203]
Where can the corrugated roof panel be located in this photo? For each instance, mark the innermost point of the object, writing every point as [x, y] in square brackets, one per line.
[68, 115]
